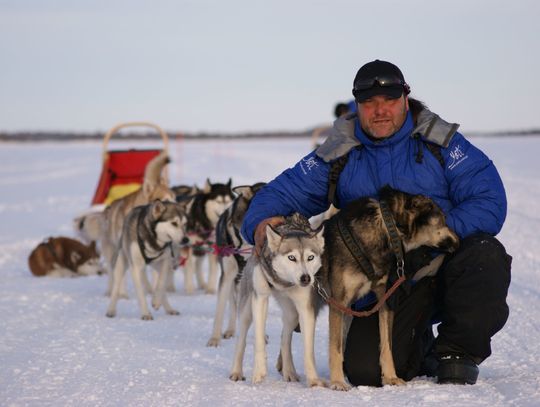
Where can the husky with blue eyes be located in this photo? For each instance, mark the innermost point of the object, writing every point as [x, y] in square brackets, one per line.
[286, 269]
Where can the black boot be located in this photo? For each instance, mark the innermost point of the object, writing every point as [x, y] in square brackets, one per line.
[456, 369]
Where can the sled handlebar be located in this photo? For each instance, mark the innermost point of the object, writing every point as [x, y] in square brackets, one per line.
[112, 131]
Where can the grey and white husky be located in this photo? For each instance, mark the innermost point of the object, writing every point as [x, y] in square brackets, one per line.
[148, 235]
[204, 210]
[286, 269]
[232, 259]
[154, 187]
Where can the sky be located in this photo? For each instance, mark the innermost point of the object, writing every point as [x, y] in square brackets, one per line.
[252, 65]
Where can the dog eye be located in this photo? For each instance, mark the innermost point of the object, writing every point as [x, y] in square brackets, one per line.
[310, 257]
[291, 258]
[175, 224]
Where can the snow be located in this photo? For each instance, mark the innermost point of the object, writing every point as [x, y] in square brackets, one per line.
[58, 348]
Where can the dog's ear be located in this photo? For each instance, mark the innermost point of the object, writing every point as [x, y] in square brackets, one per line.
[157, 209]
[273, 238]
[244, 190]
[207, 186]
[256, 187]
[184, 203]
[229, 184]
[420, 203]
[319, 235]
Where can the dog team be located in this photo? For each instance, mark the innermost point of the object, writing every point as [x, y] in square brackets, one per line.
[300, 266]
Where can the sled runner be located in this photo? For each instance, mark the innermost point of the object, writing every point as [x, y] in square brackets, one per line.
[123, 170]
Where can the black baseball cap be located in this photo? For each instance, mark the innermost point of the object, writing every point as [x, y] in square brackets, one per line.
[379, 78]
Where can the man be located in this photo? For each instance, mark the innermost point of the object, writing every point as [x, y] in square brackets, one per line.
[393, 140]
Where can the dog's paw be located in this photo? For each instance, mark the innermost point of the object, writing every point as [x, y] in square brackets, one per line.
[290, 376]
[173, 312]
[393, 381]
[229, 333]
[124, 296]
[156, 304]
[316, 382]
[236, 377]
[258, 377]
[147, 317]
[110, 314]
[339, 386]
[213, 342]
[210, 290]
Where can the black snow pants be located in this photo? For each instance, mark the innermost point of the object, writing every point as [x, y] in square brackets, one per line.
[468, 296]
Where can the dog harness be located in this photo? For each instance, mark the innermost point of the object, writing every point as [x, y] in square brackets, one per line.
[140, 241]
[358, 253]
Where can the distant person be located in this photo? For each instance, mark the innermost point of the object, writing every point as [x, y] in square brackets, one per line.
[394, 140]
[341, 109]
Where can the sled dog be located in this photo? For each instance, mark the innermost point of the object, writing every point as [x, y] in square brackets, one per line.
[154, 187]
[286, 269]
[204, 211]
[148, 234]
[232, 259]
[64, 257]
[418, 222]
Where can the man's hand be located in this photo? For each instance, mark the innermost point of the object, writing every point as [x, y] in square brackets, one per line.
[260, 231]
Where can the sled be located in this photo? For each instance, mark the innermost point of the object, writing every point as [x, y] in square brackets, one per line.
[123, 170]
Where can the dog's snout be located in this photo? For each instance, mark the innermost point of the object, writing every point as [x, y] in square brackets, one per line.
[305, 279]
[184, 241]
[449, 244]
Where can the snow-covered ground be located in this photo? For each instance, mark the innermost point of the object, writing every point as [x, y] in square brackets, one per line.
[58, 348]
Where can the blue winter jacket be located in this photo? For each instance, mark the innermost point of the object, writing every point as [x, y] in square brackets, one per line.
[468, 188]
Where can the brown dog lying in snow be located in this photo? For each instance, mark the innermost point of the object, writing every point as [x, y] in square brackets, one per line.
[64, 257]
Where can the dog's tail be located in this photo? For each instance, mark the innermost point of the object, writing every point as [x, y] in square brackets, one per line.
[154, 169]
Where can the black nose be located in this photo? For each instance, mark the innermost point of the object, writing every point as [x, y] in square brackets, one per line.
[305, 279]
[185, 240]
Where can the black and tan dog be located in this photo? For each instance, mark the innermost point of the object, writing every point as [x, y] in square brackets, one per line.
[204, 210]
[418, 222]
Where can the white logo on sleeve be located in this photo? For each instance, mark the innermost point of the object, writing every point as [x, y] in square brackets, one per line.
[308, 163]
[457, 157]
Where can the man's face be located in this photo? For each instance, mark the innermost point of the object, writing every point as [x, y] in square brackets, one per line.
[381, 116]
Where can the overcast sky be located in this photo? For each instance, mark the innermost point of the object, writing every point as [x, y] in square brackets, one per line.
[251, 65]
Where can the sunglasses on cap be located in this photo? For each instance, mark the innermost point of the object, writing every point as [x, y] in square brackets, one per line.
[383, 81]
